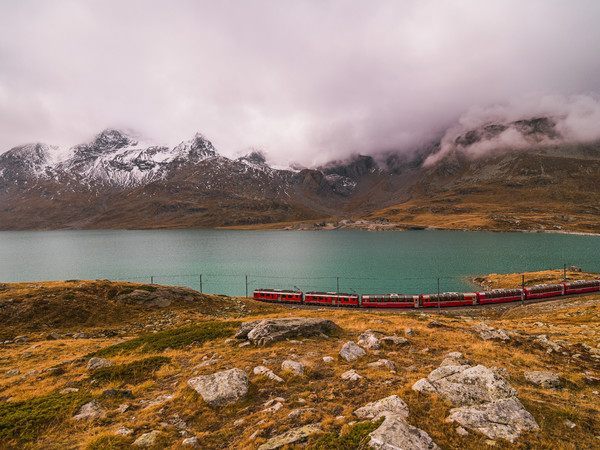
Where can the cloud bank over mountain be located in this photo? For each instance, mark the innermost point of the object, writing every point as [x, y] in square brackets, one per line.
[304, 81]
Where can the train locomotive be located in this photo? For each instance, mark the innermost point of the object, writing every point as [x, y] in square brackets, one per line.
[446, 299]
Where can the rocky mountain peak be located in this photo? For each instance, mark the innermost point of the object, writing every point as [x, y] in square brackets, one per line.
[25, 160]
[352, 168]
[255, 158]
[197, 148]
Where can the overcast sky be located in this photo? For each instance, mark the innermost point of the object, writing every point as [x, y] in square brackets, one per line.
[305, 81]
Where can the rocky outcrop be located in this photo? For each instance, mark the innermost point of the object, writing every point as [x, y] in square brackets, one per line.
[221, 388]
[369, 340]
[160, 297]
[263, 332]
[486, 400]
[351, 352]
[487, 332]
[295, 435]
[98, 363]
[394, 432]
[90, 411]
[547, 380]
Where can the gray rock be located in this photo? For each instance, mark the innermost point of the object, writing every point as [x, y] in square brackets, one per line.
[221, 388]
[487, 332]
[569, 424]
[12, 373]
[435, 324]
[276, 407]
[90, 411]
[295, 367]
[466, 385]
[461, 431]
[191, 442]
[147, 439]
[68, 390]
[389, 405]
[53, 336]
[21, 339]
[123, 431]
[504, 419]
[456, 359]
[369, 340]
[262, 370]
[300, 412]
[114, 393]
[98, 363]
[295, 435]
[207, 363]
[547, 380]
[383, 362]
[328, 359]
[395, 433]
[351, 352]
[81, 335]
[409, 332]
[393, 341]
[351, 375]
[263, 332]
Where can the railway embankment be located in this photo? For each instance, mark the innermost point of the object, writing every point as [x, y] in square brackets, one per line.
[97, 364]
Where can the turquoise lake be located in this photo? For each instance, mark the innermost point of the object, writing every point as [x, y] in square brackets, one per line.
[407, 262]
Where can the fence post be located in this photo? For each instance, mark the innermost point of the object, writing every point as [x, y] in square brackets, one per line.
[151, 279]
[246, 286]
[201, 283]
[438, 296]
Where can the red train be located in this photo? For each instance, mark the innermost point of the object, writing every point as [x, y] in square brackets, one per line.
[427, 300]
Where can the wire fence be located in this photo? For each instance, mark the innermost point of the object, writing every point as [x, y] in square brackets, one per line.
[244, 284]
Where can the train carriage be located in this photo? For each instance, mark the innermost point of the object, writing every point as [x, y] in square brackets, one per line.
[544, 291]
[448, 299]
[278, 296]
[581, 286]
[500, 296]
[390, 301]
[331, 299]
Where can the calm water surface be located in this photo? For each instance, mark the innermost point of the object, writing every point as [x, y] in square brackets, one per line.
[364, 261]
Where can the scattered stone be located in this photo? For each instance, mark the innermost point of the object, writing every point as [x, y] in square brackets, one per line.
[300, 412]
[244, 344]
[53, 336]
[114, 393]
[90, 411]
[393, 341]
[239, 422]
[263, 332]
[351, 375]
[54, 370]
[81, 335]
[21, 339]
[409, 332]
[147, 439]
[434, 324]
[592, 381]
[389, 405]
[328, 359]
[68, 390]
[157, 401]
[569, 424]
[383, 362]
[262, 370]
[98, 363]
[543, 340]
[368, 340]
[487, 332]
[122, 408]
[276, 407]
[123, 431]
[396, 433]
[295, 367]
[12, 373]
[221, 388]
[456, 359]
[504, 419]
[191, 442]
[351, 352]
[295, 435]
[206, 363]
[547, 380]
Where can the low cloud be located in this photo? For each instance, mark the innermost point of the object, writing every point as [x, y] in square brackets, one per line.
[532, 120]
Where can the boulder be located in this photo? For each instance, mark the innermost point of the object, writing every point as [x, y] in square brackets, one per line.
[262, 370]
[351, 375]
[393, 341]
[351, 352]
[123, 431]
[547, 380]
[389, 405]
[90, 411]
[456, 359]
[300, 412]
[295, 435]
[191, 442]
[267, 331]
[383, 362]
[295, 367]
[369, 340]
[487, 332]
[221, 388]
[98, 363]
[500, 419]
[409, 332]
[396, 433]
[147, 439]
[328, 359]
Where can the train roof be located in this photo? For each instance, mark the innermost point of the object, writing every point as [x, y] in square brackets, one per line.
[328, 293]
[278, 290]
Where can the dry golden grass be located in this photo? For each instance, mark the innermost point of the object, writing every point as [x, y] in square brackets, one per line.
[322, 388]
